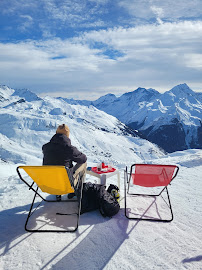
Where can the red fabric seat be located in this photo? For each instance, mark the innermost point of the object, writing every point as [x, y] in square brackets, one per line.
[151, 175]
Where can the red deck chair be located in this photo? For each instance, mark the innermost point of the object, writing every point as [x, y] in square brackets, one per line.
[149, 175]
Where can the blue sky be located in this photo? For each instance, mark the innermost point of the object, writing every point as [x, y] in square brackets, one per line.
[88, 48]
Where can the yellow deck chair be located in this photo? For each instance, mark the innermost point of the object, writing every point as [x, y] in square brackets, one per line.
[54, 180]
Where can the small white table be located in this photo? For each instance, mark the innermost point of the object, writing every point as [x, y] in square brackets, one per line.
[103, 176]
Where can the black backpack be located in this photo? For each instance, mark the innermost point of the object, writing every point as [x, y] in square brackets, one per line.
[95, 196]
[108, 204]
[90, 195]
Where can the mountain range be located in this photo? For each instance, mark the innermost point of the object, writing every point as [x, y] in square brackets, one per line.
[172, 120]
[28, 121]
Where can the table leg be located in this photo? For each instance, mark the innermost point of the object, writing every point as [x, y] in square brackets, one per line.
[118, 176]
[103, 179]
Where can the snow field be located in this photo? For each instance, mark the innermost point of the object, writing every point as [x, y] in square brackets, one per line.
[104, 243]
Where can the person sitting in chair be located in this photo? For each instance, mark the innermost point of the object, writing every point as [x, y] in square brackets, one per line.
[60, 151]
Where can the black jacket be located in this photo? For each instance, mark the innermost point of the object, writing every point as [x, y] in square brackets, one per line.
[59, 151]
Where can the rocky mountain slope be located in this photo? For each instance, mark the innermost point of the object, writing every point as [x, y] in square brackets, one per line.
[172, 120]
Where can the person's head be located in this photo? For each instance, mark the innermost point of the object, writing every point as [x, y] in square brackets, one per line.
[63, 129]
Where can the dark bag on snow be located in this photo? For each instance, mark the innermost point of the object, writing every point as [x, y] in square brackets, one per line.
[109, 205]
[90, 197]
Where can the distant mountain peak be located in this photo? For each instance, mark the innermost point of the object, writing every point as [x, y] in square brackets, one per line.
[5, 91]
[181, 88]
[145, 89]
[142, 90]
[171, 120]
[4, 87]
[109, 95]
[138, 90]
[26, 94]
[140, 94]
[106, 98]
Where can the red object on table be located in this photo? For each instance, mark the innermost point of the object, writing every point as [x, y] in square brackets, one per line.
[95, 169]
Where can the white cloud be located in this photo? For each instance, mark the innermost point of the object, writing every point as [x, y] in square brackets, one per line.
[159, 13]
[47, 18]
[157, 56]
[169, 9]
[27, 22]
[79, 12]
[52, 55]
[170, 40]
[76, 11]
[193, 60]
[17, 6]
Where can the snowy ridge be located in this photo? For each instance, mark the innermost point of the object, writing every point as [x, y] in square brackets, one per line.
[171, 120]
[29, 124]
[26, 94]
[161, 118]
[152, 105]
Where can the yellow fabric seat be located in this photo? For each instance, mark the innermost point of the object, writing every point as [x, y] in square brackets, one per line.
[54, 180]
[50, 179]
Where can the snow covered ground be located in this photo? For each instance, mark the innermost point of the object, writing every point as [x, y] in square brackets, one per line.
[26, 123]
[107, 243]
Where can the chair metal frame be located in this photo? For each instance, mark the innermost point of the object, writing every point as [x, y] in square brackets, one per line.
[127, 187]
[37, 193]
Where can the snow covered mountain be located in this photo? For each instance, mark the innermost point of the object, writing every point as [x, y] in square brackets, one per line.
[27, 122]
[172, 120]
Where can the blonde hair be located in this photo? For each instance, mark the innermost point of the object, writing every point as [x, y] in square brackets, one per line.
[63, 129]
